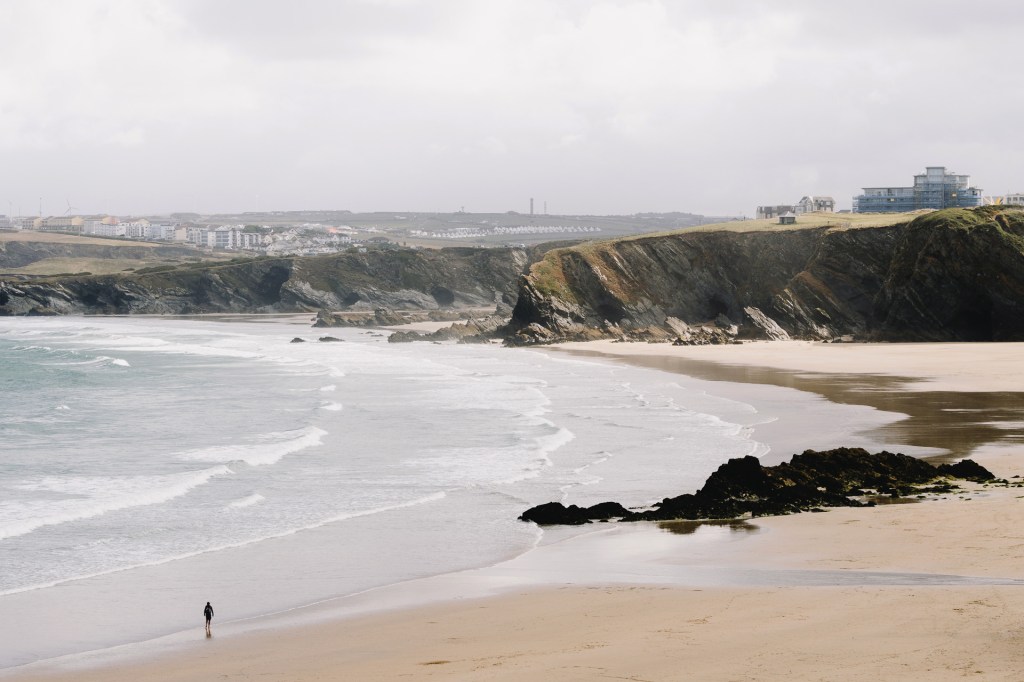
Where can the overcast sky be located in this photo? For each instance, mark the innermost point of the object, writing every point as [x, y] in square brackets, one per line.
[617, 106]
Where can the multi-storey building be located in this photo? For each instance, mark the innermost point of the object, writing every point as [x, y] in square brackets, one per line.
[58, 224]
[1015, 199]
[770, 212]
[935, 188]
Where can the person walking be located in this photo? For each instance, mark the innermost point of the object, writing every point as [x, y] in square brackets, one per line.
[208, 612]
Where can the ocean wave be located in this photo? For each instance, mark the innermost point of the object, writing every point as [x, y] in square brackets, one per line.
[329, 388]
[89, 496]
[544, 447]
[561, 436]
[433, 497]
[332, 407]
[45, 349]
[98, 360]
[264, 449]
[249, 501]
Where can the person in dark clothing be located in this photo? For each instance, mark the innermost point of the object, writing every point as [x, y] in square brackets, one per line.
[208, 612]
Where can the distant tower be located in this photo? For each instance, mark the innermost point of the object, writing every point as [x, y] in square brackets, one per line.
[531, 205]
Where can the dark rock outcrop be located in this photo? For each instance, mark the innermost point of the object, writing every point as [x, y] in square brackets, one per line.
[554, 513]
[380, 317]
[953, 275]
[967, 469]
[475, 330]
[831, 478]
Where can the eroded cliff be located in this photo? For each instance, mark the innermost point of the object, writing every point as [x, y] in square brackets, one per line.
[400, 279]
[954, 275]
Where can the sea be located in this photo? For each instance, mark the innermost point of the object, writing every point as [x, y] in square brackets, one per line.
[149, 465]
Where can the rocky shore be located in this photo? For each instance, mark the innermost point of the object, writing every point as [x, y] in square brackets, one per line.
[842, 477]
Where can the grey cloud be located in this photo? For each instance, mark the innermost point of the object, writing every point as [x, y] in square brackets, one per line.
[312, 29]
[613, 106]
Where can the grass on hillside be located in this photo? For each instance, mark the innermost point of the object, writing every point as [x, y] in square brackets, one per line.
[62, 238]
[803, 222]
[152, 254]
[95, 266]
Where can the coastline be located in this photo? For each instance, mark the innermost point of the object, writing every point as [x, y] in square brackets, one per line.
[653, 615]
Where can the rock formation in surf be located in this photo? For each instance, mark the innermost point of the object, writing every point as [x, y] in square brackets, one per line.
[815, 479]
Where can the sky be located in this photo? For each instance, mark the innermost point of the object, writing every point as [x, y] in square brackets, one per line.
[590, 107]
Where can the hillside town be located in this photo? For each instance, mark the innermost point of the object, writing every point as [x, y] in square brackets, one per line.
[328, 231]
[305, 239]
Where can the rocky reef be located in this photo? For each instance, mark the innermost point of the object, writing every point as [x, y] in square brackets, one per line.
[479, 329]
[952, 275]
[815, 479]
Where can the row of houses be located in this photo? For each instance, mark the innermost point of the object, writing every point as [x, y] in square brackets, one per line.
[229, 237]
[221, 237]
[808, 204]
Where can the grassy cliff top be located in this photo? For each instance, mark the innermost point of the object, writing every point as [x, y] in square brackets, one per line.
[806, 221]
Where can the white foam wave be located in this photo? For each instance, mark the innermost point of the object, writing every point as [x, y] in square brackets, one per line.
[249, 501]
[548, 444]
[332, 407]
[98, 360]
[434, 497]
[330, 388]
[89, 496]
[264, 449]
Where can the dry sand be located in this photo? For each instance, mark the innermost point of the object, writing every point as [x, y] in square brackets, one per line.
[941, 629]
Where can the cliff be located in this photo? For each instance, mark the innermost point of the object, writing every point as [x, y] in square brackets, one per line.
[953, 275]
[398, 279]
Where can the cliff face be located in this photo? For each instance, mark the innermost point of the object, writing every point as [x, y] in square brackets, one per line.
[950, 275]
[424, 279]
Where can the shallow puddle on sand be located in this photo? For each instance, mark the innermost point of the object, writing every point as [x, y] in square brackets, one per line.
[684, 527]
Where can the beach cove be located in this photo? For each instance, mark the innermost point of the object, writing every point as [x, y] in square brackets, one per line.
[905, 591]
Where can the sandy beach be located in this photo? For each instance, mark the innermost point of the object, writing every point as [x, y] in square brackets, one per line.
[932, 590]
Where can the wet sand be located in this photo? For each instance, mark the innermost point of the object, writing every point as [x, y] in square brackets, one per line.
[900, 592]
[948, 408]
